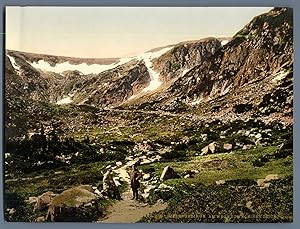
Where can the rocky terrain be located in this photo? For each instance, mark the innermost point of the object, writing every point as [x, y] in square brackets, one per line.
[208, 122]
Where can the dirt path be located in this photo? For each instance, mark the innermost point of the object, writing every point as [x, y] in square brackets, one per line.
[129, 211]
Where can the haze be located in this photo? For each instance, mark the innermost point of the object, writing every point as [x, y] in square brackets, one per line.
[117, 31]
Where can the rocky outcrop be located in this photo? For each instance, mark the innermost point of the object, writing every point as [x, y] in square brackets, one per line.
[184, 56]
[238, 75]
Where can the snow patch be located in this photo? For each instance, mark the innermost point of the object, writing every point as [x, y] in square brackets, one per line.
[280, 76]
[224, 42]
[132, 97]
[65, 100]
[14, 63]
[185, 71]
[154, 76]
[66, 66]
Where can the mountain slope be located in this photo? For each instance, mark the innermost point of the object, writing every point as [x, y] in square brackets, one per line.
[260, 56]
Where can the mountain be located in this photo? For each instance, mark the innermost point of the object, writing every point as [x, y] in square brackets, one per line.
[254, 66]
[201, 76]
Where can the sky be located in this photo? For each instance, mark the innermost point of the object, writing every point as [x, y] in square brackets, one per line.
[104, 32]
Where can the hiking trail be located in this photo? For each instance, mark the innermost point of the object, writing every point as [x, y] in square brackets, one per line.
[127, 210]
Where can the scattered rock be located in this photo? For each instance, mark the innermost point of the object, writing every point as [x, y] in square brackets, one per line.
[10, 211]
[245, 147]
[159, 201]
[165, 187]
[267, 180]
[108, 167]
[146, 176]
[187, 176]
[119, 163]
[227, 146]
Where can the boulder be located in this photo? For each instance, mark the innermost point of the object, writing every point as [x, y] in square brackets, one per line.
[220, 182]
[210, 149]
[227, 146]
[146, 176]
[75, 204]
[267, 180]
[168, 173]
[119, 163]
[271, 177]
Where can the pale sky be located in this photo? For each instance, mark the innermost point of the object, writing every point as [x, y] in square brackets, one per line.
[117, 31]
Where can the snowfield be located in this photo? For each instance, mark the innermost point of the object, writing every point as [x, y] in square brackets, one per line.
[66, 66]
[13, 62]
[280, 76]
[154, 76]
[224, 42]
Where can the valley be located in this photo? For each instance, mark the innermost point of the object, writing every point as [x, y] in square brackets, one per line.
[217, 111]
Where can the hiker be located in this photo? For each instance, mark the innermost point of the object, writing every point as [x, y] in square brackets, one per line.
[109, 186]
[134, 181]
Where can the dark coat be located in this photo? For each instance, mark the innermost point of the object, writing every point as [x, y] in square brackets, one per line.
[134, 179]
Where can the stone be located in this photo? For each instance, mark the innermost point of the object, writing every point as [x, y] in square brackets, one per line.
[10, 211]
[204, 137]
[168, 173]
[40, 219]
[271, 177]
[204, 151]
[149, 188]
[108, 167]
[165, 187]
[159, 201]
[258, 136]
[220, 182]
[146, 161]
[210, 149]
[227, 146]
[146, 176]
[119, 163]
[266, 181]
[129, 158]
[187, 176]
[245, 147]
[260, 182]
[75, 204]
[195, 171]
